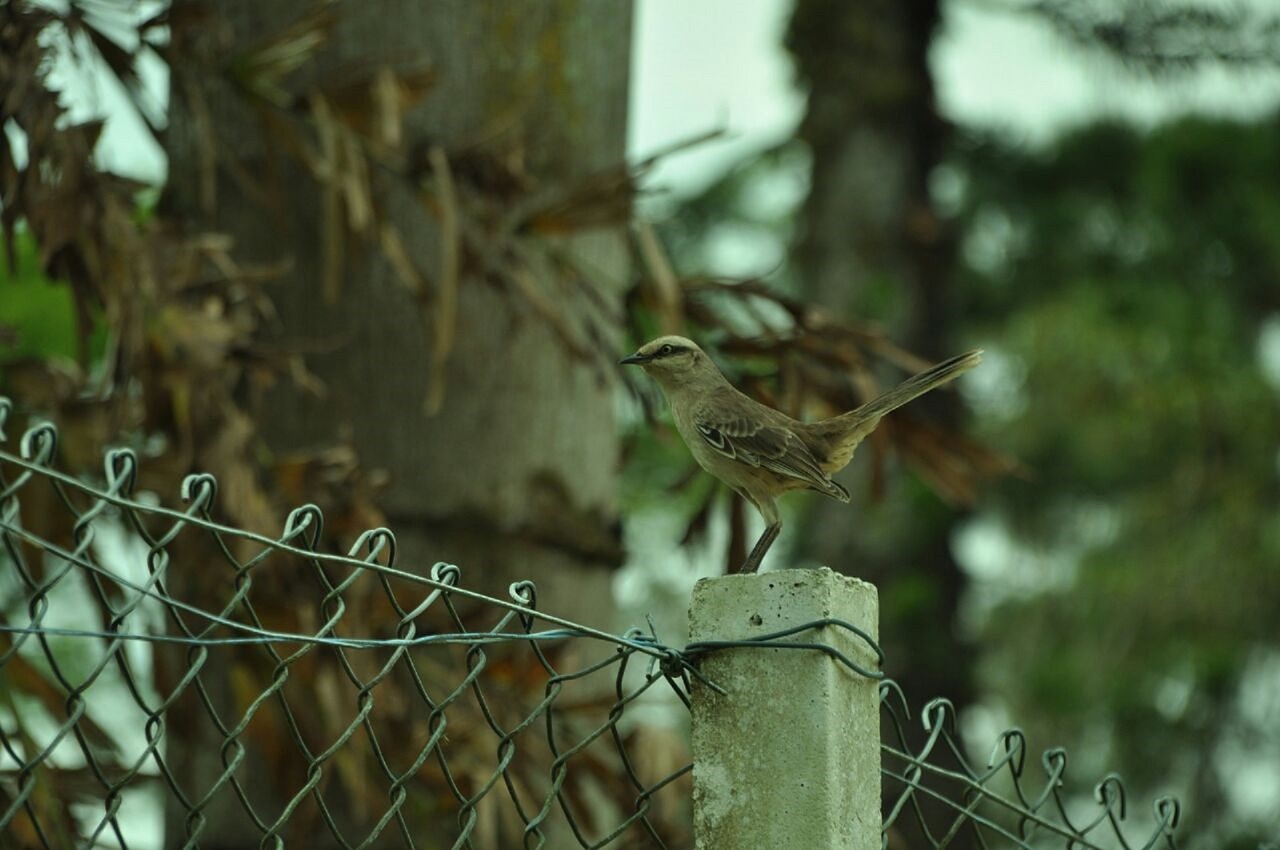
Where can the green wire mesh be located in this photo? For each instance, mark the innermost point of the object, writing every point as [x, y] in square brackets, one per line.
[167, 680]
[936, 796]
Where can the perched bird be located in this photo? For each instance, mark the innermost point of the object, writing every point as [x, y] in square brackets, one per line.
[760, 452]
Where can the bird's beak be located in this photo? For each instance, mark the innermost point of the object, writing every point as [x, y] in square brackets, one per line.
[634, 359]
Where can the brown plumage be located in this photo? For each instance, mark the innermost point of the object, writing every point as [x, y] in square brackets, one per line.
[761, 452]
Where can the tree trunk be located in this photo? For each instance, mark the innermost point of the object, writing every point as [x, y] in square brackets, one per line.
[872, 245]
[514, 477]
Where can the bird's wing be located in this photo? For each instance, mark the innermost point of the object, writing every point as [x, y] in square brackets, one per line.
[771, 447]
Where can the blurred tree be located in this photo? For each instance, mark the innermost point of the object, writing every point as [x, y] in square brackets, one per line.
[373, 151]
[1165, 37]
[415, 165]
[424, 243]
[432, 226]
[1125, 288]
[1127, 283]
[871, 243]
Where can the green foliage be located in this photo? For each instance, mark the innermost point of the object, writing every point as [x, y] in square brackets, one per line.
[38, 321]
[659, 463]
[749, 211]
[1127, 278]
[1164, 38]
[1121, 282]
[37, 315]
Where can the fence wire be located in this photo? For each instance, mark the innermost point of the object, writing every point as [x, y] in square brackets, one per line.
[935, 795]
[168, 680]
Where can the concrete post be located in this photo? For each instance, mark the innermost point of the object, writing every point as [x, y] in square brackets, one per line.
[789, 758]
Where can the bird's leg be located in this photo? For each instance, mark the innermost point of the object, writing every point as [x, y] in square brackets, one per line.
[772, 525]
[752, 564]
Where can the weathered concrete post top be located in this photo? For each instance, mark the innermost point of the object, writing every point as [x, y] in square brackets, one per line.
[789, 757]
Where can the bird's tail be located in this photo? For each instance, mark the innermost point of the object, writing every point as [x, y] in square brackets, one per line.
[845, 431]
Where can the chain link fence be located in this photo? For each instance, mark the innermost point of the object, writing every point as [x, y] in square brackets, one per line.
[168, 680]
[937, 796]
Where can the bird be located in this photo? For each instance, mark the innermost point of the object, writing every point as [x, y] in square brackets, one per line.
[759, 452]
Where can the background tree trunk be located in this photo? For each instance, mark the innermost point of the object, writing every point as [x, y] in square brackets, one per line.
[515, 476]
[872, 245]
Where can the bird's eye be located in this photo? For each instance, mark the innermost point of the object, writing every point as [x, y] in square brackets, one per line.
[665, 350]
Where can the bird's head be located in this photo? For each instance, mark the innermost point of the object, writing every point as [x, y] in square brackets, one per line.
[674, 361]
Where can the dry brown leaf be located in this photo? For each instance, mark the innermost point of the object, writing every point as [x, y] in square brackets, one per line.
[195, 337]
[527, 285]
[445, 312]
[357, 191]
[601, 199]
[374, 106]
[660, 288]
[389, 103]
[262, 69]
[393, 248]
[325, 167]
